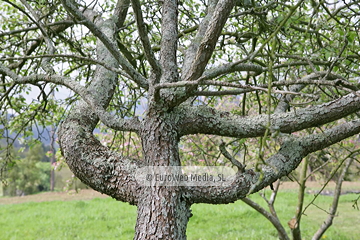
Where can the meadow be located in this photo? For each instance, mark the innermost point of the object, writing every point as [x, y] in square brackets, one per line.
[105, 218]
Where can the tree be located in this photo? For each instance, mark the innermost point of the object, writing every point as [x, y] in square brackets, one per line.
[288, 65]
[29, 175]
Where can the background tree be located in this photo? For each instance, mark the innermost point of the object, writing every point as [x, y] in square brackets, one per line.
[288, 66]
[29, 174]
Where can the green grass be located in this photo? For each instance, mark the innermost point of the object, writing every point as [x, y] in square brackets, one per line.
[94, 219]
[238, 221]
[109, 219]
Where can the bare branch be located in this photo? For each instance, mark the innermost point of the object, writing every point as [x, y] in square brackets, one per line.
[340, 84]
[292, 151]
[55, 28]
[209, 40]
[206, 120]
[144, 38]
[169, 33]
[9, 33]
[194, 46]
[97, 166]
[120, 12]
[235, 162]
[294, 223]
[273, 219]
[109, 120]
[83, 59]
[326, 224]
[225, 84]
[189, 30]
[51, 49]
[137, 77]
[230, 68]
[273, 34]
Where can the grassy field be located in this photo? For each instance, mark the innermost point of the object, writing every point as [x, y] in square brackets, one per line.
[105, 218]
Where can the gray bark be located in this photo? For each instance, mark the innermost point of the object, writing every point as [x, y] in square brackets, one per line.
[207, 120]
[162, 214]
[93, 163]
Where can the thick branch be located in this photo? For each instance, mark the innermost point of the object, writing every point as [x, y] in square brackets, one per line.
[206, 120]
[292, 151]
[207, 44]
[169, 37]
[202, 47]
[194, 46]
[120, 12]
[93, 163]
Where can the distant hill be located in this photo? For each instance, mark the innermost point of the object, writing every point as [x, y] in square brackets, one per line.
[41, 133]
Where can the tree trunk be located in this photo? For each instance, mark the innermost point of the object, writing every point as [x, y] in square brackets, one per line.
[163, 212]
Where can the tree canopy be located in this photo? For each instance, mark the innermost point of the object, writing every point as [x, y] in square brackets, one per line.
[284, 72]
